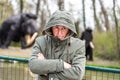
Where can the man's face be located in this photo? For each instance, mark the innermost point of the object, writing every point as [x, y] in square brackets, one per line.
[60, 32]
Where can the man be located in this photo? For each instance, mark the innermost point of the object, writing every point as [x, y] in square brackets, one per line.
[87, 37]
[57, 55]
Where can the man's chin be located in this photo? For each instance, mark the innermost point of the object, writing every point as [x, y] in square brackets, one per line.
[60, 38]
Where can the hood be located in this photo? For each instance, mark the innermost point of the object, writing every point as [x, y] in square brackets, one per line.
[63, 18]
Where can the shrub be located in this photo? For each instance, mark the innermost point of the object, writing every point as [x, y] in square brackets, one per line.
[105, 45]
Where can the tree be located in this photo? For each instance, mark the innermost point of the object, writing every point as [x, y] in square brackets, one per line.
[37, 7]
[6, 10]
[61, 4]
[21, 6]
[84, 17]
[47, 7]
[117, 28]
[104, 11]
[77, 23]
[96, 21]
[43, 8]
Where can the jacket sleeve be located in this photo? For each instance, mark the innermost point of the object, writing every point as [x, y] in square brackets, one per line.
[76, 72]
[39, 66]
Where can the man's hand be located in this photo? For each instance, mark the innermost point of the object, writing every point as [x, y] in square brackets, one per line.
[67, 65]
[40, 56]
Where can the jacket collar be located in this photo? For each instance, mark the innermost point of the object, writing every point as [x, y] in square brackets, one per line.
[60, 42]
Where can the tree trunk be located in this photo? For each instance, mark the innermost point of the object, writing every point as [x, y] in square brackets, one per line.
[104, 11]
[96, 21]
[45, 13]
[61, 4]
[38, 7]
[117, 29]
[84, 17]
[6, 10]
[21, 6]
[47, 7]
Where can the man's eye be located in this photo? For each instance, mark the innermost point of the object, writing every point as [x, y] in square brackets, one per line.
[55, 27]
[64, 28]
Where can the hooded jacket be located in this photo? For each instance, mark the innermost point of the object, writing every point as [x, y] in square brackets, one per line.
[70, 50]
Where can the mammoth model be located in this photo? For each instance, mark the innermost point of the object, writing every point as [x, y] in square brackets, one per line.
[21, 27]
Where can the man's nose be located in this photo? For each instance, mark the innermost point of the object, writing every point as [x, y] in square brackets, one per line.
[59, 32]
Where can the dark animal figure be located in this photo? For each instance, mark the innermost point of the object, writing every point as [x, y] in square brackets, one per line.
[88, 37]
[16, 28]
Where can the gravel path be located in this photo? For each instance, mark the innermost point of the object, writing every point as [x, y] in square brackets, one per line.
[15, 52]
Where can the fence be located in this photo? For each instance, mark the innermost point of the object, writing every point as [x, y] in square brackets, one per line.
[12, 68]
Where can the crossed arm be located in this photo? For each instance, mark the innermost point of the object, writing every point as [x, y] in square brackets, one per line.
[43, 66]
[66, 65]
[57, 67]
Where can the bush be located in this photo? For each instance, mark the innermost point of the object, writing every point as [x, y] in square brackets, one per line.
[105, 45]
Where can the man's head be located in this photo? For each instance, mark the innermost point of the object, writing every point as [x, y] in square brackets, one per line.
[60, 31]
[61, 25]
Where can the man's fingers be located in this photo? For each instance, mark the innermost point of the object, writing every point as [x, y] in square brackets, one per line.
[67, 65]
[41, 56]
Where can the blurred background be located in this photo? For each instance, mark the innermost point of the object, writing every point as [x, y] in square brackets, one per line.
[102, 16]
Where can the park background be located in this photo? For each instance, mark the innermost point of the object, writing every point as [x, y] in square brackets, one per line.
[103, 16]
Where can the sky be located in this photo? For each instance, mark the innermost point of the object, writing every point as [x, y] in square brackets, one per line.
[77, 8]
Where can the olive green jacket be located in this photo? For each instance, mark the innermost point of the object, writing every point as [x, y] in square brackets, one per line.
[70, 50]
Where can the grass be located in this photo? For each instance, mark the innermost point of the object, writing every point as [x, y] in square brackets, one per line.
[105, 46]
[106, 66]
[100, 62]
